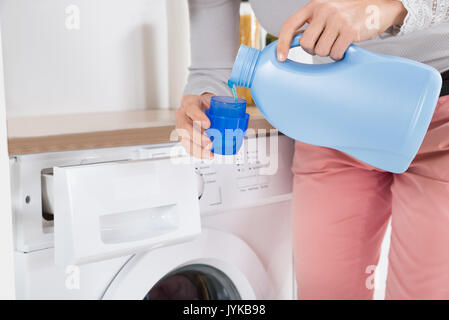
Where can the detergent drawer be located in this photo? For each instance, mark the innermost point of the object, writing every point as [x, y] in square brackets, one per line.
[111, 209]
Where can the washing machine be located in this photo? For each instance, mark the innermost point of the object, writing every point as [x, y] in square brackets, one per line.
[149, 222]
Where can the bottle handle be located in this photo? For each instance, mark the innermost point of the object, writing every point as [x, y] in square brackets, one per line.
[353, 52]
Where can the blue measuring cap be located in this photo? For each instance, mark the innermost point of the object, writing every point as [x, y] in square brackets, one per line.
[228, 124]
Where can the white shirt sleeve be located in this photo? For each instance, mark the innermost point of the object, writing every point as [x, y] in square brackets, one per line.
[214, 41]
[423, 14]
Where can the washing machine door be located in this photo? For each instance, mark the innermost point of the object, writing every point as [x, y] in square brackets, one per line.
[214, 266]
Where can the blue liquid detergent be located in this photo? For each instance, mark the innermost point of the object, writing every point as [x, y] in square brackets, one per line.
[376, 108]
[234, 90]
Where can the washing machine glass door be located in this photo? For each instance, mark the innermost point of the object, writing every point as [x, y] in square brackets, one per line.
[194, 282]
[214, 266]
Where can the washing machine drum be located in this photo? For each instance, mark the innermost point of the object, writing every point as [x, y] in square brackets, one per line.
[214, 266]
[194, 282]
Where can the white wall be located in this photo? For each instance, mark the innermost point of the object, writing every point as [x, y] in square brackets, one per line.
[178, 49]
[7, 286]
[118, 59]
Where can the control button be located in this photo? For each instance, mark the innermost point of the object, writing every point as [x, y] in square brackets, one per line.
[245, 182]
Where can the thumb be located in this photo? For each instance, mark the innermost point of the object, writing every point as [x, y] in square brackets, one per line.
[205, 100]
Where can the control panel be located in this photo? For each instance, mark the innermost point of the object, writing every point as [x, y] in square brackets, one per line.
[250, 178]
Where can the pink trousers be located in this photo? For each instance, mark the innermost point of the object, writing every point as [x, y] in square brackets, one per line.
[341, 210]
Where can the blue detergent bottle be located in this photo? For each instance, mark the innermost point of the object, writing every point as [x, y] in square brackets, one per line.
[376, 108]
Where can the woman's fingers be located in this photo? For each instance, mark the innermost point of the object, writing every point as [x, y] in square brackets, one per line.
[190, 126]
[343, 41]
[196, 150]
[196, 113]
[312, 33]
[205, 100]
[335, 24]
[326, 40]
[194, 132]
[289, 28]
[194, 140]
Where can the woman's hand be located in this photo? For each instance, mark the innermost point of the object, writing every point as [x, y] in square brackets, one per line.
[191, 121]
[335, 24]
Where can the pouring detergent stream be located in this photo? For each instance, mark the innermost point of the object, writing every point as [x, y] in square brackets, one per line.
[376, 108]
[233, 90]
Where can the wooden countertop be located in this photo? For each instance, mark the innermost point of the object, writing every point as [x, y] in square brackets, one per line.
[98, 130]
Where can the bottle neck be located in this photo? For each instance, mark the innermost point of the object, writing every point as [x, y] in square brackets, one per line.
[244, 66]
